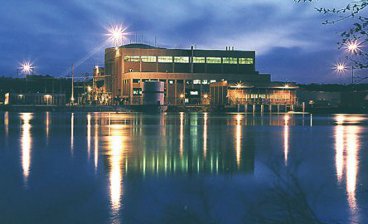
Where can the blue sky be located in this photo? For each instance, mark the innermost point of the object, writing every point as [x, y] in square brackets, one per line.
[290, 41]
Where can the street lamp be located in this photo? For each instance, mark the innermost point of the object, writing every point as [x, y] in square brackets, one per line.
[353, 46]
[26, 68]
[341, 68]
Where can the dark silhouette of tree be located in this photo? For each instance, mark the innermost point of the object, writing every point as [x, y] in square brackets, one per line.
[355, 15]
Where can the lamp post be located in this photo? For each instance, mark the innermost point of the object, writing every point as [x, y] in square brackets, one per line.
[341, 68]
[26, 68]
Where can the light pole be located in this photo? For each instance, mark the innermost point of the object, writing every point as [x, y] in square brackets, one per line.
[341, 68]
[26, 68]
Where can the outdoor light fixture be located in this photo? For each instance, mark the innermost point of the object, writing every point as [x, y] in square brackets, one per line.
[181, 95]
[340, 67]
[26, 67]
[205, 96]
[239, 85]
[116, 35]
[353, 46]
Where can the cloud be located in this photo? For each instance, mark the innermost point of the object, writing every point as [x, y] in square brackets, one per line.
[60, 33]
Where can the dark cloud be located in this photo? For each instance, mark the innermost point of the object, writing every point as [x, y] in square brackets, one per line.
[290, 41]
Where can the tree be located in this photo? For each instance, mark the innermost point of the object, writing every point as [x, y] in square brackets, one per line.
[357, 31]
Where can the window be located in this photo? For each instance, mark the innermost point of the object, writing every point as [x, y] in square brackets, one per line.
[194, 93]
[246, 61]
[136, 80]
[165, 59]
[213, 60]
[199, 60]
[181, 59]
[137, 91]
[204, 81]
[212, 81]
[196, 81]
[171, 81]
[148, 58]
[132, 58]
[230, 60]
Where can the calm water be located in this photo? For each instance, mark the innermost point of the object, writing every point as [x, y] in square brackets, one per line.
[182, 168]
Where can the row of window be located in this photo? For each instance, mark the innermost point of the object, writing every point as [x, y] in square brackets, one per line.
[196, 60]
[195, 82]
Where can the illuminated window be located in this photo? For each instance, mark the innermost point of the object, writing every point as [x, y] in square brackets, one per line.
[137, 91]
[229, 60]
[213, 60]
[181, 59]
[132, 58]
[194, 93]
[165, 59]
[196, 81]
[171, 81]
[148, 58]
[246, 61]
[212, 81]
[199, 60]
[204, 81]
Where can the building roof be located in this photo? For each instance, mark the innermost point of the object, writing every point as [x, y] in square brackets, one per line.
[141, 46]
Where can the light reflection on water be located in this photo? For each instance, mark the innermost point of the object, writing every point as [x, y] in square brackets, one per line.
[26, 142]
[347, 147]
[125, 148]
[286, 138]
[115, 157]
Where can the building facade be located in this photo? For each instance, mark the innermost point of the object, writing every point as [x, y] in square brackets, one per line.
[186, 73]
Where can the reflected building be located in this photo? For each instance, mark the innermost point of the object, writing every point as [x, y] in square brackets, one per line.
[156, 154]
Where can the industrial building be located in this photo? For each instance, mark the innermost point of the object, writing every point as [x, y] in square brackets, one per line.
[190, 76]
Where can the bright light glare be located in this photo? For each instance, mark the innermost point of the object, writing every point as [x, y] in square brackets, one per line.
[116, 35]
[353, 46]
[340, 67]
[26, 67]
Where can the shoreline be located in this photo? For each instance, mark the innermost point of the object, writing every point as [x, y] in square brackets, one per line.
[171, 108]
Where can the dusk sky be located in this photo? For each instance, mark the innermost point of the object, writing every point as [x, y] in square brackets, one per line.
[290, 41]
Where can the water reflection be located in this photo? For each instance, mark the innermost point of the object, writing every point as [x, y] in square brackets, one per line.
[205, 118]
[347, 144]
[47, 124]
[352, 164]
[6, 123]
[286, 138]
[96, 143]
[116, 156]
[339, 154]
[26, 142]
[181, 134]
[72, 133]
[89, 135]
[238, 139]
